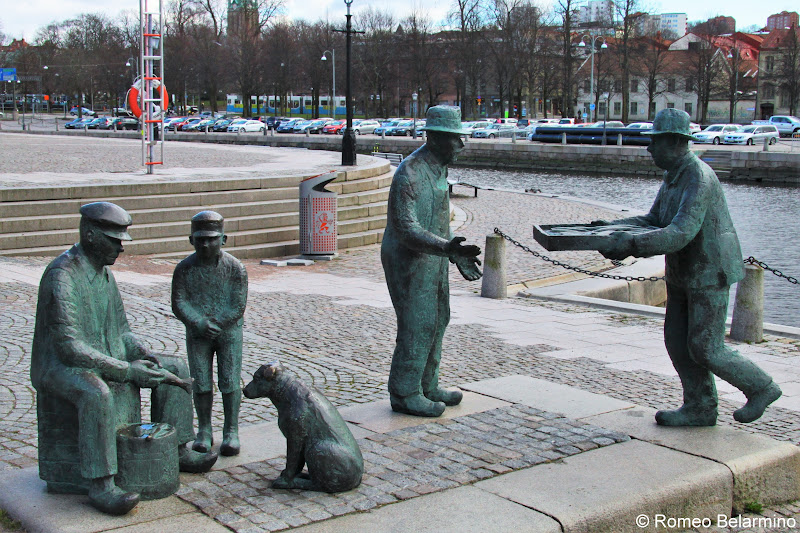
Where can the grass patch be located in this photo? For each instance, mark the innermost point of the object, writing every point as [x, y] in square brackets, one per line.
[9, 523]
[753, 507]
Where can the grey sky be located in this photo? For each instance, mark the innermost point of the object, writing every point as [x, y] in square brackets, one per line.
[23, 18]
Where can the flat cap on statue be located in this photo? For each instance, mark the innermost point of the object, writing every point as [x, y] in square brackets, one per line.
[672, 122]
[110, 218]
[207, 224]
[445, 119]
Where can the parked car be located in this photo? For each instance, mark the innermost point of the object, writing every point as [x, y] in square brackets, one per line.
[752, 134]
[201, 125]
[608, 124]
[315, 126]
[472, 126]
[273, 122]
[171, 122]
[639, 126]
[506, 120]
[222, 124]
[404, 129]
[364, 126]
[121, 123]
[245, 125]
[694, 127]
[78, 123]
[714, 133]
[523, 123]
[84, 111]
[95, 124]
[288, 126]
[787, 125]
[385, 125]
[334, 127]
[495, 130]
[180, 126]
[299, 125]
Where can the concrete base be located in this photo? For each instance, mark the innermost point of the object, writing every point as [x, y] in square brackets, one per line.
[674, 472]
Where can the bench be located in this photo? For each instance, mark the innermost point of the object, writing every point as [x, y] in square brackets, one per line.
[394, 159]
[451, 182]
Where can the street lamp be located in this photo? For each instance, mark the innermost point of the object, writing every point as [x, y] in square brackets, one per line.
[349, 137]
[414, 97]
[333, 92]
[603, 46]
[131, 62]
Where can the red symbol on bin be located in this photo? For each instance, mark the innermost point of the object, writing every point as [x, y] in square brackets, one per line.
[323, 223]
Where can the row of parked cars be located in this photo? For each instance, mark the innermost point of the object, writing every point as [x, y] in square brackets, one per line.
[103, 123]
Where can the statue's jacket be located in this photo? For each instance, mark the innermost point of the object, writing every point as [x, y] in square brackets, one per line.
[80, 320]
[418, 226]
[697, 236]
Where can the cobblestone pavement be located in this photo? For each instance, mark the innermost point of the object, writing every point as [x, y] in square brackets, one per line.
[399, 465]
[333, 325]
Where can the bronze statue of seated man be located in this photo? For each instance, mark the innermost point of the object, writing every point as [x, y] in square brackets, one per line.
[87, 365]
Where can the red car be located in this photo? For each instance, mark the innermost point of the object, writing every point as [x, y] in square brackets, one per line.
[334, 126]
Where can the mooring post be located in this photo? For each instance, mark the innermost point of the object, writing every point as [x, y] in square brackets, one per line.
[747, 324]
[563, 138]
[494, 268]
[619, 139]
[766, 144]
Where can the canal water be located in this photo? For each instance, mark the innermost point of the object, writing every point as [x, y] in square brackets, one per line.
[767, 219]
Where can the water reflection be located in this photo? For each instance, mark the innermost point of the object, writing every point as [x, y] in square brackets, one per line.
[767, 219]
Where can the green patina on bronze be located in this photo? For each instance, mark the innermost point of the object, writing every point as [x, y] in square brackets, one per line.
[209, 295]
[316, 434]
[87, 367]
[703, 259]
[416, 248]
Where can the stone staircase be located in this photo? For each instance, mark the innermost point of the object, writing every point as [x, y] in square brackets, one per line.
[261, 214]
[719, 160]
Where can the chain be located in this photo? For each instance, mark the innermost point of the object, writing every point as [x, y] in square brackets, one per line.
[750, 261]
[753, 261]
[574, 268]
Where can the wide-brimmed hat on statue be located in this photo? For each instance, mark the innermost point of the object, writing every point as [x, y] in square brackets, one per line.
[444, 118]
[672, 122]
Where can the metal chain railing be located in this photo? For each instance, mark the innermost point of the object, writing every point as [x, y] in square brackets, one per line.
[556, 262]
[753, 261]
[750, 261]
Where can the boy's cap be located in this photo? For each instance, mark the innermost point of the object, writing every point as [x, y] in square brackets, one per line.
[207, 224]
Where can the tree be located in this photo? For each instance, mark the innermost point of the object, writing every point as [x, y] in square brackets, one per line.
[652, 58]
[567, 11]
[376, 65]
[789, 70]
[466, 16]
[627, 12]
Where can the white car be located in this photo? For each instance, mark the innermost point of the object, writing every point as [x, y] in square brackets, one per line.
[639, 126]
[713, 134]
[694, 127]
[245, 125]
[752, 134]
[365, 126]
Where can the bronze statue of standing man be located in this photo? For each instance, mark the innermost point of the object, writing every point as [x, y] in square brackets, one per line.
[209, 295]
[703, 259]
[416, 248]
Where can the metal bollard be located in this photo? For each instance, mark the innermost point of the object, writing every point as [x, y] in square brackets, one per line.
[747, 324]
[619, 139]
[766, 144]
[563, 138]
[308, 134]
[494, 268]
[514, 138]
[383, 134]
[206, 129]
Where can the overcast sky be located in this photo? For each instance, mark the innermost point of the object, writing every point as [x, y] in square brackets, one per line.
[23, 18]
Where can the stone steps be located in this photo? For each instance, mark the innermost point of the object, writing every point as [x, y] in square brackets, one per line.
[261, 214]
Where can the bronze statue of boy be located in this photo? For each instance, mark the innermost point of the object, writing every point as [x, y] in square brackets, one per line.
[209, 295]
[703, 259]
[416, 248]
[86, 359]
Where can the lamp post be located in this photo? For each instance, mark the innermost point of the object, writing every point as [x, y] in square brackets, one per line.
[131, 62]
[333, 91]
[349, 137]
[603, 46]
[414, 97]
[734, 56]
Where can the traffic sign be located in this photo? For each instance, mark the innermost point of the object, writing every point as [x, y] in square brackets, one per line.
[8, 74]
[584, 115]
[591, 107]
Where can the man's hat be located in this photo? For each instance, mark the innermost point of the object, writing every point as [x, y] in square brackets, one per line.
[444, 118]
[671, 122]
[110, 218]
[207, 224]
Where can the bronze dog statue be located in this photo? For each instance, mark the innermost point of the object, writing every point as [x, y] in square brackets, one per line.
[316, 434]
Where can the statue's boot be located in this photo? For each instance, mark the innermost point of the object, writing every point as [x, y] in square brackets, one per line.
[417, 405]
[447, 397]
[757, 402]
[205, 437]
[687, 416]
[106, 497]
[230, 430]
[195, 462]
